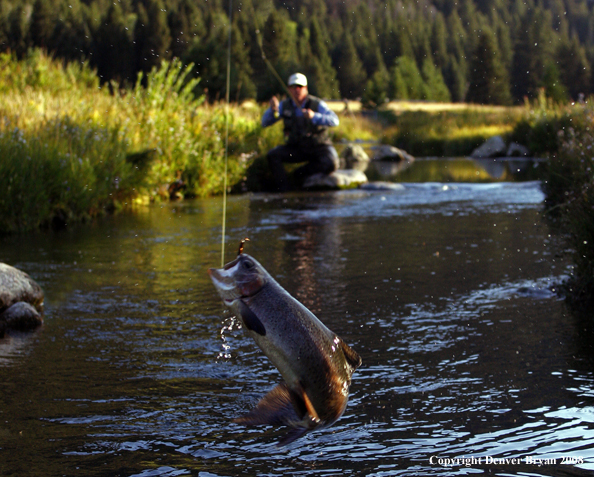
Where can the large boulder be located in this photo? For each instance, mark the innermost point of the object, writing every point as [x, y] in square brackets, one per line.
[15, 286]
[21, 299]
[354, 157]
[391, 153]
[493, 147]
[340, 179]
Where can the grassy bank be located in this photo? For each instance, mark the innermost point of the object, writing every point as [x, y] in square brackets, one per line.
[70, 149]
[446, 129]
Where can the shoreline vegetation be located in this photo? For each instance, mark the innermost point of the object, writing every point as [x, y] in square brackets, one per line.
[72, 149]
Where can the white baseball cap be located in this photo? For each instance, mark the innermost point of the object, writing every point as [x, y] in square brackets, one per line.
[297, 79]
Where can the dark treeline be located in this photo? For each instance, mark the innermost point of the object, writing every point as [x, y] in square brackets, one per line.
[482, 51]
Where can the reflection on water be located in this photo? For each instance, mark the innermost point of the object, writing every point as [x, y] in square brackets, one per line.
[446, 290]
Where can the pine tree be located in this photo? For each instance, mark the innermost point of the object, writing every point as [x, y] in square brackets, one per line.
[554, 87]
[406, 79]
[488, 77]
[434, 87]
[72, 38]
[324, 73]
[533, 49]
[278, 43]
[183, 19]
[18, 31]
[349, 68]
[210, 57]
[455, 72]
[402, 38]
[438, 41]
[152, 35]
[114, 49]
[455, 79]
[42, 23]
[574, 68]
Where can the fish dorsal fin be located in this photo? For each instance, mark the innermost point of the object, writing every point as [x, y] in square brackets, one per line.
[251, 320]
[353, 359]
[275, 408]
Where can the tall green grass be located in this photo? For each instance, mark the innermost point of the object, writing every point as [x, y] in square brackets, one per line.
[59, 172]
[541, 128]
[70, 149]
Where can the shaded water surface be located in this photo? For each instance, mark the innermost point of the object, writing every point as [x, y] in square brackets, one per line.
[443, 289]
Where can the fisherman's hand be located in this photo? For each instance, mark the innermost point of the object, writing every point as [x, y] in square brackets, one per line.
[308, 113]
[274, 103]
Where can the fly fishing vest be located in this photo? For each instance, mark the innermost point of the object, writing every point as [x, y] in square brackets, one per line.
[299, 130]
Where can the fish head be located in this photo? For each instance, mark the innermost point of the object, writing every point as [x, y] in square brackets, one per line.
[241, 278]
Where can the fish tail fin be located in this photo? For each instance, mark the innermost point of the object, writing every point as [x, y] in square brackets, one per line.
[275, 408]
[278, 408]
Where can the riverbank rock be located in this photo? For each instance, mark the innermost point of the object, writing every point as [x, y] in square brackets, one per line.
[391, 153]
[354, 157]
[17, 289]
[493, 147]
[340, 179]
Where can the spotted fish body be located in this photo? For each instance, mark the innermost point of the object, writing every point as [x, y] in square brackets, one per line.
[316, 365]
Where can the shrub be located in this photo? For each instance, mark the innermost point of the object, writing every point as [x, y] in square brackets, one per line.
[569, 191]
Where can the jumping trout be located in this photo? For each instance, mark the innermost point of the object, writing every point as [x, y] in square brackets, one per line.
[316, 365]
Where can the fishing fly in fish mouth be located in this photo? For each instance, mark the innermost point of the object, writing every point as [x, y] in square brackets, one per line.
[316, 365]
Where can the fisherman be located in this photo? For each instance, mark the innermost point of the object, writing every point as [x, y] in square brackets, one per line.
[306, 121]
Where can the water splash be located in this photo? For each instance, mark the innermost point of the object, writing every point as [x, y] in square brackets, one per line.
[229, 325]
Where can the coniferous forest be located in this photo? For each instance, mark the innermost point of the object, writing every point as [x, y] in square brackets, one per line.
[481, 51]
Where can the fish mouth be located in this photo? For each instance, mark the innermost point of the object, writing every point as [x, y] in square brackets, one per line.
[225, 283]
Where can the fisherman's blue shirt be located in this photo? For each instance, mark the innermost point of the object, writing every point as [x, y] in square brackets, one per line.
[323, 117]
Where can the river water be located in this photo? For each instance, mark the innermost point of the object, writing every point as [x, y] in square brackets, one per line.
[471, 363]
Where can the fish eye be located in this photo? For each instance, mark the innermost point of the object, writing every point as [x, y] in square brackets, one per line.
[248, 264]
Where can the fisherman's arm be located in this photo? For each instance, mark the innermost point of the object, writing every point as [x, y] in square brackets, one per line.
[325, 116]
[272, 114]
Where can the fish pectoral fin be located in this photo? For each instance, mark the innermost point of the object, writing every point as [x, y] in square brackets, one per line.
[309, 416]
[353, 359]
[251, 320]
[304, 408]
[275, 408]
[310, 409]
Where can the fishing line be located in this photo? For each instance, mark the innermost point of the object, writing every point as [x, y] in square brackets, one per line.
[226, 136]
[228, 86]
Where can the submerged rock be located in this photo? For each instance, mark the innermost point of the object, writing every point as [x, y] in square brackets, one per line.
[381, 185]
[21, 316]
[340, 179]
[21, 299]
